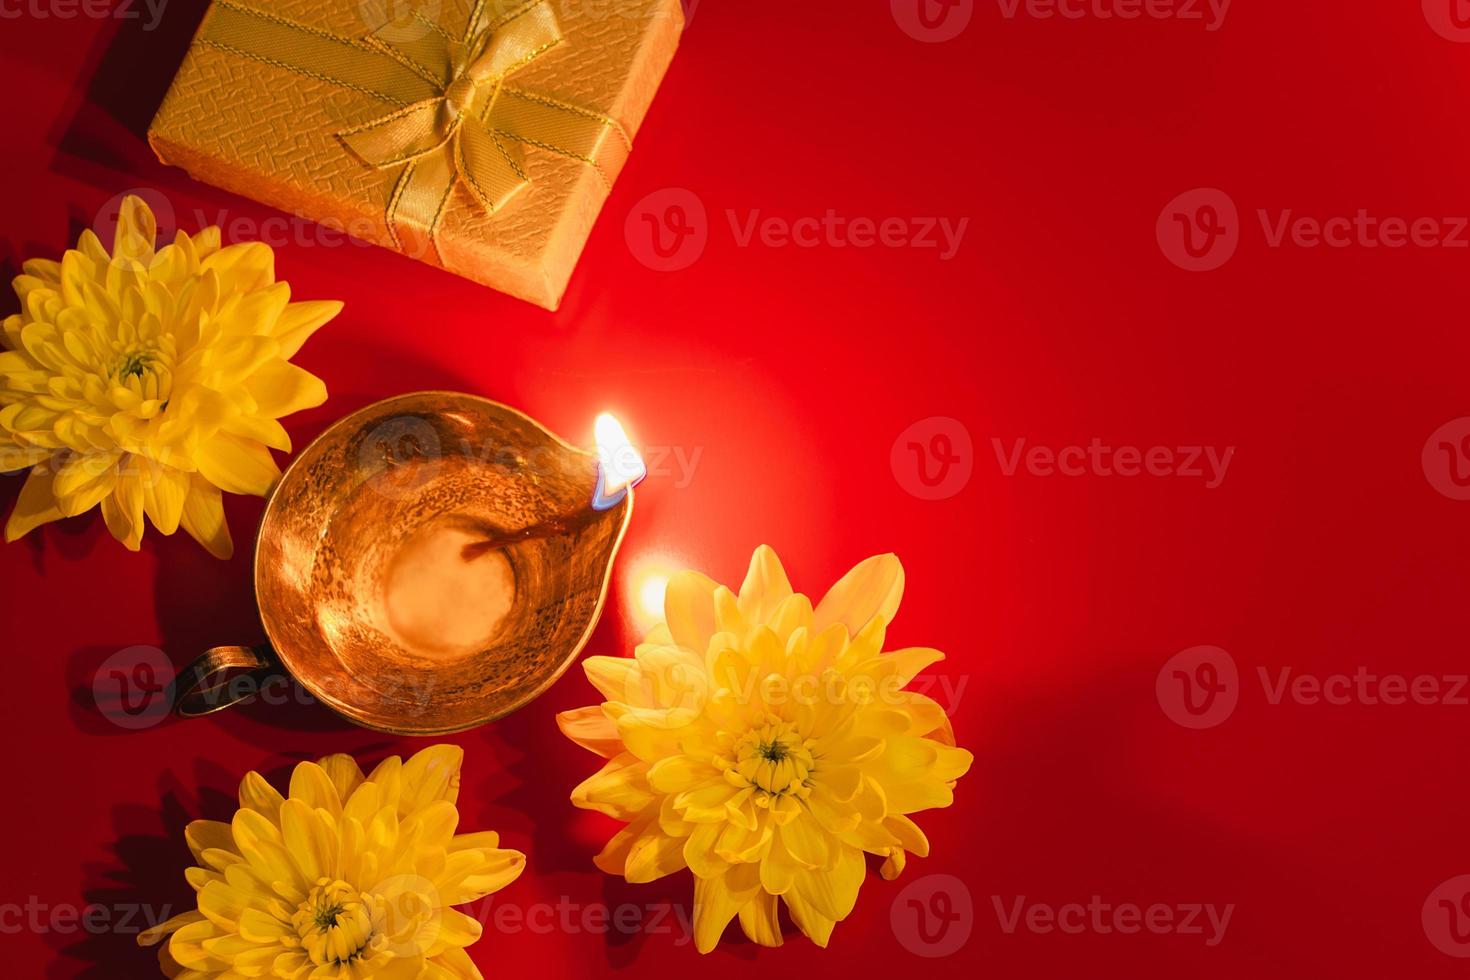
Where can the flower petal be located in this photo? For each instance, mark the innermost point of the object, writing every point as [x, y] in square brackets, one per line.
[431, 774]
[471, 875]
[254, 428]
[614, 677]
[204, 835]
[452, 964]
[778, 870]
[256, 793]
[834, 893]
[243, 268]
[678, 773]
[300, 321]
[873, 588]
[456, 931]
[35, 506]
[257, 313]
[805, 839]
[761, 920]
[164, 491]
[613, 858]
[619, 789]
[908, 662]
[15, 457]
[654, 855]
[700, 851]
[136, 231]
[717, 900]
[812, 923]
[153, 936]
[311, 785]
[280, 388]
[344, 773]
[306, 838]
[204, 518]
[237, 465]
[122, 511]
[592, 730]
[84, 480]
[765, 586]
[689, 610]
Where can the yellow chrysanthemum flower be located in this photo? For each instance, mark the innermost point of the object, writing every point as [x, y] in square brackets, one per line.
[346, 878]
[148, 382]
[766, 745]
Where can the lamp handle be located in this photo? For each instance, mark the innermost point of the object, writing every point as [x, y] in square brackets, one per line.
[202, 691]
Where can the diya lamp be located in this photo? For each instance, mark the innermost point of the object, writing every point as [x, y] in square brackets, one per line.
[429, 564]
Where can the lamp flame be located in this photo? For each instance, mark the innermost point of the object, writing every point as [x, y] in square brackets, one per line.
[620, 468]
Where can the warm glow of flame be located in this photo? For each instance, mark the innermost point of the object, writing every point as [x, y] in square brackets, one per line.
[651, 597]
[620, 467]
[647, 581]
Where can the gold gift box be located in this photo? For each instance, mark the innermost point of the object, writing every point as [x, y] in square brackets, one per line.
[482, 137]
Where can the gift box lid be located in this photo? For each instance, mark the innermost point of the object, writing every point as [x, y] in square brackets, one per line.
[395, 130]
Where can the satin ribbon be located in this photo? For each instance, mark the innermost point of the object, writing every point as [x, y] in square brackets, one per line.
[455, 120]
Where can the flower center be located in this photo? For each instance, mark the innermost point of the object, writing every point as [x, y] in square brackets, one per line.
[775, 759]
[334, 923]
[327, 917]
[134, 365]
[142, 365]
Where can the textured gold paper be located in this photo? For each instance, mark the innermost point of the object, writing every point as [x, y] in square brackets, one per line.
[269, 133]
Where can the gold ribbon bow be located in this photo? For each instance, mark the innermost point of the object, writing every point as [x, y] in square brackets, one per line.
[454, 120]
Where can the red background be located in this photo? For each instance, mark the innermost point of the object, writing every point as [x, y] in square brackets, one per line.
[793, 370]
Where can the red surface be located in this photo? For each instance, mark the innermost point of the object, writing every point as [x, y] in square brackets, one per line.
[1325, 549]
